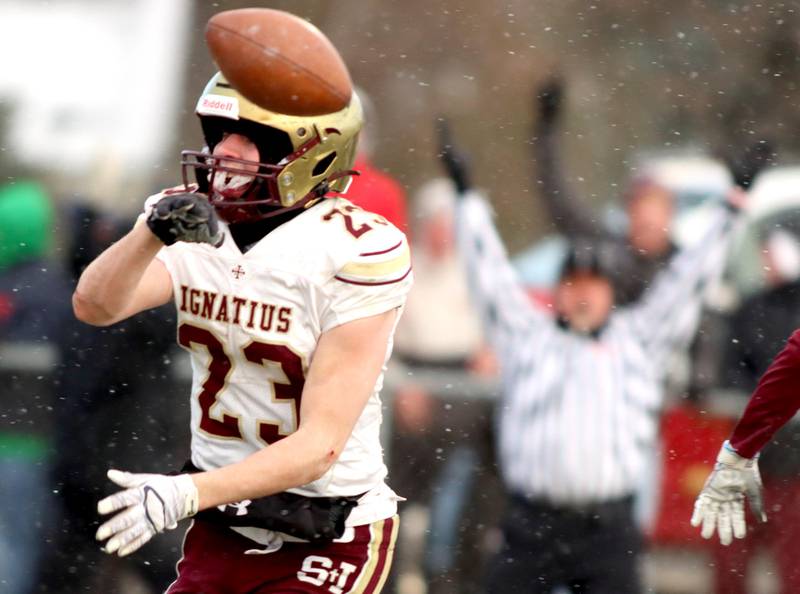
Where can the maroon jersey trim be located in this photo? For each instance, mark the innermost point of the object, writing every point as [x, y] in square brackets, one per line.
[391, 282]
[394, 247]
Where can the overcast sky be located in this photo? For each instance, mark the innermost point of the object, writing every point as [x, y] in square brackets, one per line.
[92, 81]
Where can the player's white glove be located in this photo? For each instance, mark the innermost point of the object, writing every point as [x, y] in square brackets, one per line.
[151, 503]
[720, 504]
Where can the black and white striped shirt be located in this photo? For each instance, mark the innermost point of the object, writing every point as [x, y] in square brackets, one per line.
[579, 414]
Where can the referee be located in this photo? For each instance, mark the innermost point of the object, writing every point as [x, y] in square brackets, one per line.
[582, 389]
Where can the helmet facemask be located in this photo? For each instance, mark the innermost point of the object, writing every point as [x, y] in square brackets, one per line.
[301, 158]
[239, 189]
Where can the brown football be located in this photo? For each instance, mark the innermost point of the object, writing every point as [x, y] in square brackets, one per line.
[279, 61]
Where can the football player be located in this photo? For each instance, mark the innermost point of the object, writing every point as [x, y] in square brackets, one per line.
[287, 301]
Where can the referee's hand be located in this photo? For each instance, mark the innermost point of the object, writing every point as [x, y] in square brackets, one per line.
[455, 162]
[548, 101]
[720, 505]
[746, 165]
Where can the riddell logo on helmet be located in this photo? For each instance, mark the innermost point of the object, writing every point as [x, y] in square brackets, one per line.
[219, 105]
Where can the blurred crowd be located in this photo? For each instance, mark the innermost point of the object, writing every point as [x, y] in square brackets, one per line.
[78, 400]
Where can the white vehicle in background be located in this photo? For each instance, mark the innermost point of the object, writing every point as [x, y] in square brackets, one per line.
[772, 220]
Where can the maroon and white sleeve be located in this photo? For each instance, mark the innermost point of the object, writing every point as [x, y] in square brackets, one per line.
[376, 278]
[776, 399]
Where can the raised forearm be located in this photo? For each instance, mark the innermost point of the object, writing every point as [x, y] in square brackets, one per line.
[663, 327]
[569, 214]
[495, 288]
[107, 286]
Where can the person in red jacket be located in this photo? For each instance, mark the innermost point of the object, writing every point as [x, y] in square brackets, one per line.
[374, 190]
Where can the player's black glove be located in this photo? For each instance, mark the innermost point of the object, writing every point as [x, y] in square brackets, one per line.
[454, 161]
[746, 166]
[548, 100]
[185, 217]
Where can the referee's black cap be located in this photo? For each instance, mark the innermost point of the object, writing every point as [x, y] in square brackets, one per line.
[593, 256]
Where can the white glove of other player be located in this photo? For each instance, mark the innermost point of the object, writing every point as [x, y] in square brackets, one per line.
[151, 503]
[720, 504]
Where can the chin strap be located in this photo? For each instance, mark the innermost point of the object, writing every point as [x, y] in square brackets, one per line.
[351, 173]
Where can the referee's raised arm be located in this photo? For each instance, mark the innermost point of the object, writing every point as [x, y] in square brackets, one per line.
[498, 294]
[569, 212]
[666, 317]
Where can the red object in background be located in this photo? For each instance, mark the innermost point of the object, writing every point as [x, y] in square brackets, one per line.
[543, 298]
[690, 442]
[6, 307]
[378, 192]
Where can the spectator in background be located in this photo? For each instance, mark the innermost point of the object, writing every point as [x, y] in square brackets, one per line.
[757, 332]
[116, 404]
[374, 190]
[582, 392]
[34, 302]
[442, 440]
[757, 329]
[31, 283]
[647, 247]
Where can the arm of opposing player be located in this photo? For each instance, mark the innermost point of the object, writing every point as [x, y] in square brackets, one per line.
[775, 400]
[341, 378]
[124, 280]
[720, 504]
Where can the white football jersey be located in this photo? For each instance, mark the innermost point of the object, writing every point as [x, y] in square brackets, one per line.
[251, 323]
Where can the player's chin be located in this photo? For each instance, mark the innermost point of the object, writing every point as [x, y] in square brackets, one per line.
[232, 193]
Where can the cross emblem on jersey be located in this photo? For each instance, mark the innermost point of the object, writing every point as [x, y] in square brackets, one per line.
[238, 271]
